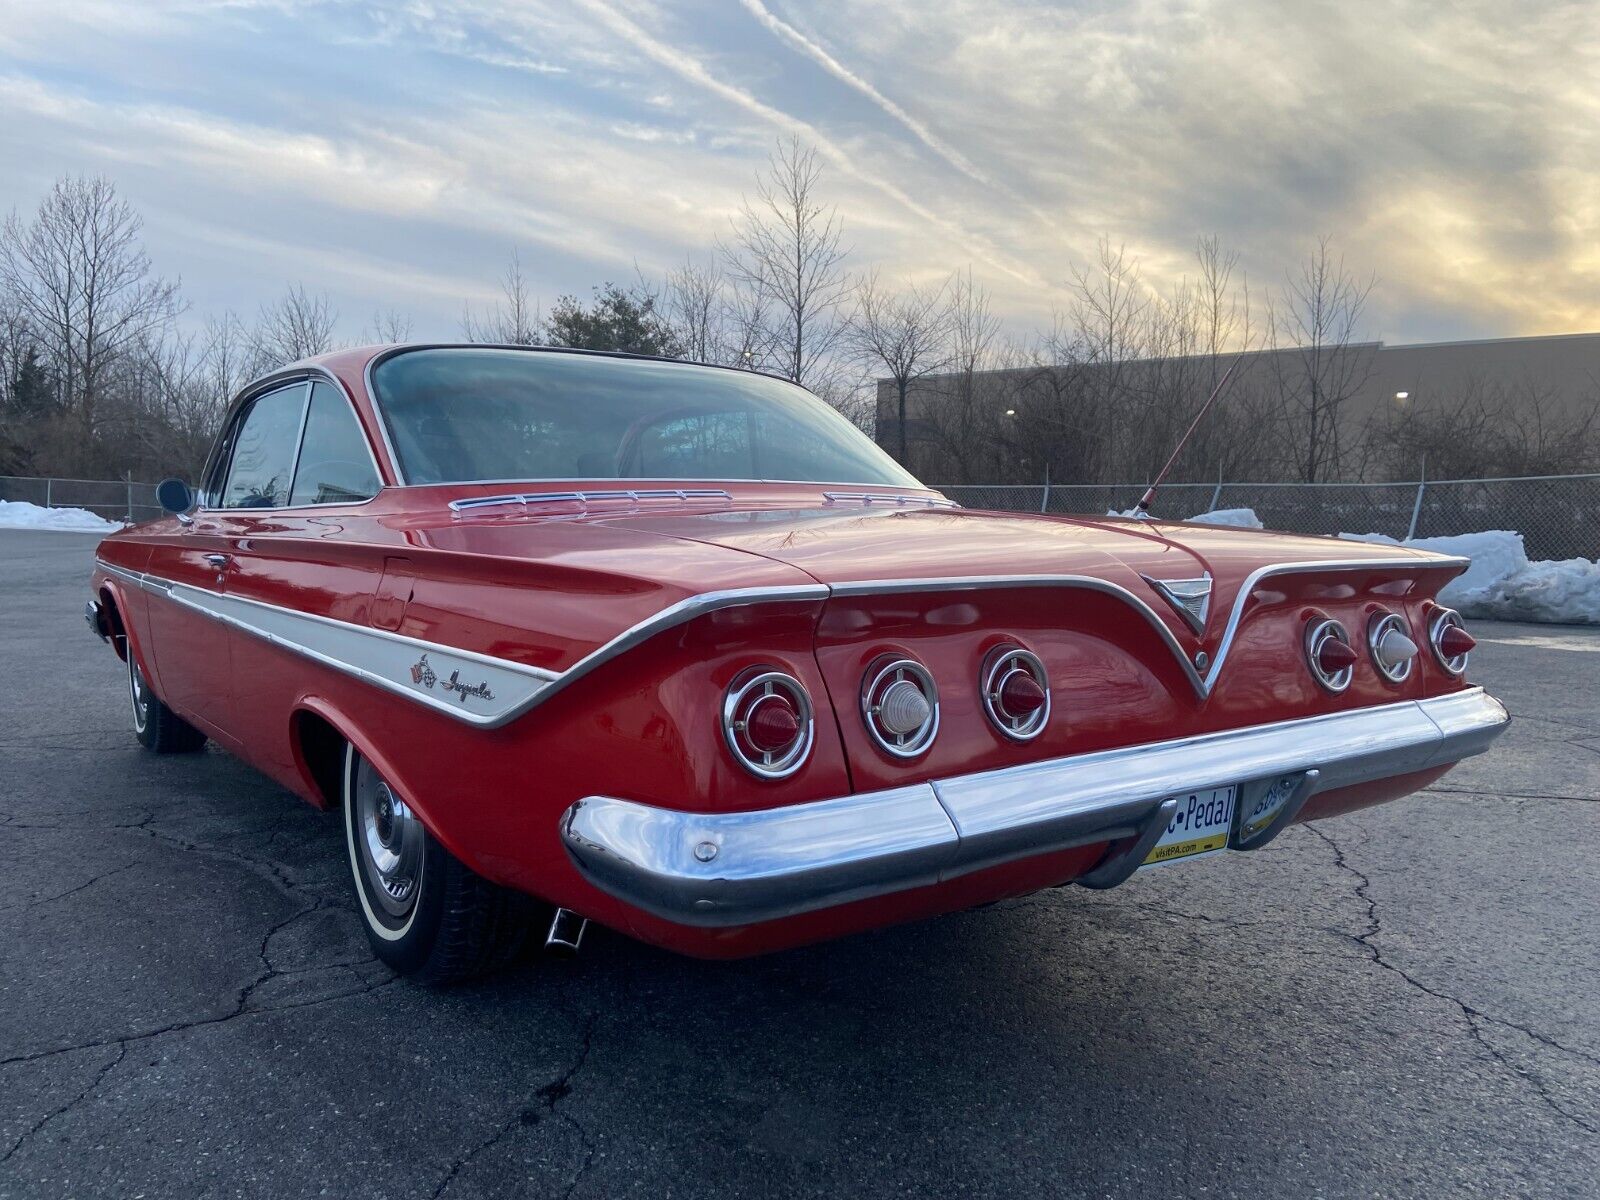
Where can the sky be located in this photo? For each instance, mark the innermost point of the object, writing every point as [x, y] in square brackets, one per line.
[395, 155]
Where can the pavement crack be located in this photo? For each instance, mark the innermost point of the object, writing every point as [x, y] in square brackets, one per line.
[1456, 791]
[72, 891]
[1474, 1019]
[1516, 716]
[198, 1023]
[550, 1096]
[63, 1110]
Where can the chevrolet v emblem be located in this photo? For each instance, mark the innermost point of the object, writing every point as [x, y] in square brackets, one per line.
[1191, 597]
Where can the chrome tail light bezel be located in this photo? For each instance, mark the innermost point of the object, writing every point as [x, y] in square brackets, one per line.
[1443, 619]
[883, 674]
[742, 696]
[999, 665]
[1377, 629]
[1317, 633]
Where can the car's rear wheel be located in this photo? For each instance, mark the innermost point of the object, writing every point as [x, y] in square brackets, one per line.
[157, 727]
[426, 914]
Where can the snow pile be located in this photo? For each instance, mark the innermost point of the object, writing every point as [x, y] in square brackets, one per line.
[1496, 554]
[1238, 518]
[1501, 582]
[19, 514]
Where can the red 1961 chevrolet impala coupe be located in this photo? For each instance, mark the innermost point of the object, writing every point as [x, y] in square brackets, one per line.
[575, 636]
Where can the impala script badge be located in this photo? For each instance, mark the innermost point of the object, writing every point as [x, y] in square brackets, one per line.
[422, 673]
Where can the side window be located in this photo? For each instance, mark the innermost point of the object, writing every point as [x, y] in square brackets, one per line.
[335, 463]
[264, 444]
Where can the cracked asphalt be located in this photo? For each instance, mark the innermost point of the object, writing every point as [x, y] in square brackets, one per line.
[1400, 1002]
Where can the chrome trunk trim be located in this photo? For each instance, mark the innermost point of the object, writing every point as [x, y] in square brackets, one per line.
[729, 869]
[307, 634]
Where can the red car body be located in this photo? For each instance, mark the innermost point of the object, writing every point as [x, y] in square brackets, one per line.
[543, 680]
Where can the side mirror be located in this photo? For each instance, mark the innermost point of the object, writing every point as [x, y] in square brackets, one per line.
[174, 496]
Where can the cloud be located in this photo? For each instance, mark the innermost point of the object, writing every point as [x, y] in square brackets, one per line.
[1452, 150]
[694, 71]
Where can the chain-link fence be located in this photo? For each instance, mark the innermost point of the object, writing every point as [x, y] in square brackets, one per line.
[113, 499]
[1557, 515]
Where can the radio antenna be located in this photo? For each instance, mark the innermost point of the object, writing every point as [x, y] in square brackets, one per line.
[1141, 511]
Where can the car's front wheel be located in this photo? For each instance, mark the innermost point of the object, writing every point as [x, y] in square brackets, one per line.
[426, 914]
[157, 727]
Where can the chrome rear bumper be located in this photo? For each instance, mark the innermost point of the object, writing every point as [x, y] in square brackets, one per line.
[721, 869]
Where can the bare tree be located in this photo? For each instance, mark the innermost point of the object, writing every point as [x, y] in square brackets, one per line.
[514, 320]
[903, 333]
[297, 325]
[1484, 427]
[389, 326]
[227, 357]
[787, 256]
[82, 281]
[1321, 366]
[16, 345]
[695, 304]
[973, 327]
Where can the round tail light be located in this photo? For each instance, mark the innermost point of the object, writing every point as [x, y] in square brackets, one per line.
[1016, 693]
[767, 721]
[900, 705]
[1393, 651]
[1451, 642]
[1330, 656]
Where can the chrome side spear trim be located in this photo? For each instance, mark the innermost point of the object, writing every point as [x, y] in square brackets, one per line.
[369, 654]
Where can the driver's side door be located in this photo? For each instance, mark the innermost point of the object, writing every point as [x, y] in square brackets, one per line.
[253, 473]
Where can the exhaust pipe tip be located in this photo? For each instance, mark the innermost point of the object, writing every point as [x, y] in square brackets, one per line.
[566, 932]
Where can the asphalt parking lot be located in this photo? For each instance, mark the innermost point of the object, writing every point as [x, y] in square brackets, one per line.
[1402, 1002]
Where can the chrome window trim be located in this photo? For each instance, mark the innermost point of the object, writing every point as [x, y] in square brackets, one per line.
[398, 471]
[300, 449]
[236, 419]
[719, 870]
[310, 375]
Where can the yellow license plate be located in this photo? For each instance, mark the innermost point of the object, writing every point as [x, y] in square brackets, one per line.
[1200, 826]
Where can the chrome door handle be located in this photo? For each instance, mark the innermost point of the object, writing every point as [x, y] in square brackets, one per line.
[218, 560]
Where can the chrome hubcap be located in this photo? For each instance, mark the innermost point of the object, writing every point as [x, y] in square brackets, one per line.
[136, 692]
[389, 842]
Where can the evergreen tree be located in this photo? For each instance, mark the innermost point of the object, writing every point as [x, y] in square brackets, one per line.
[616, 320]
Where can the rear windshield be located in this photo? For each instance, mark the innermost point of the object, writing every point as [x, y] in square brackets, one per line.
[463, 415]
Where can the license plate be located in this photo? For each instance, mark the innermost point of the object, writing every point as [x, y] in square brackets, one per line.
[1200, 826]
[1263, 800]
